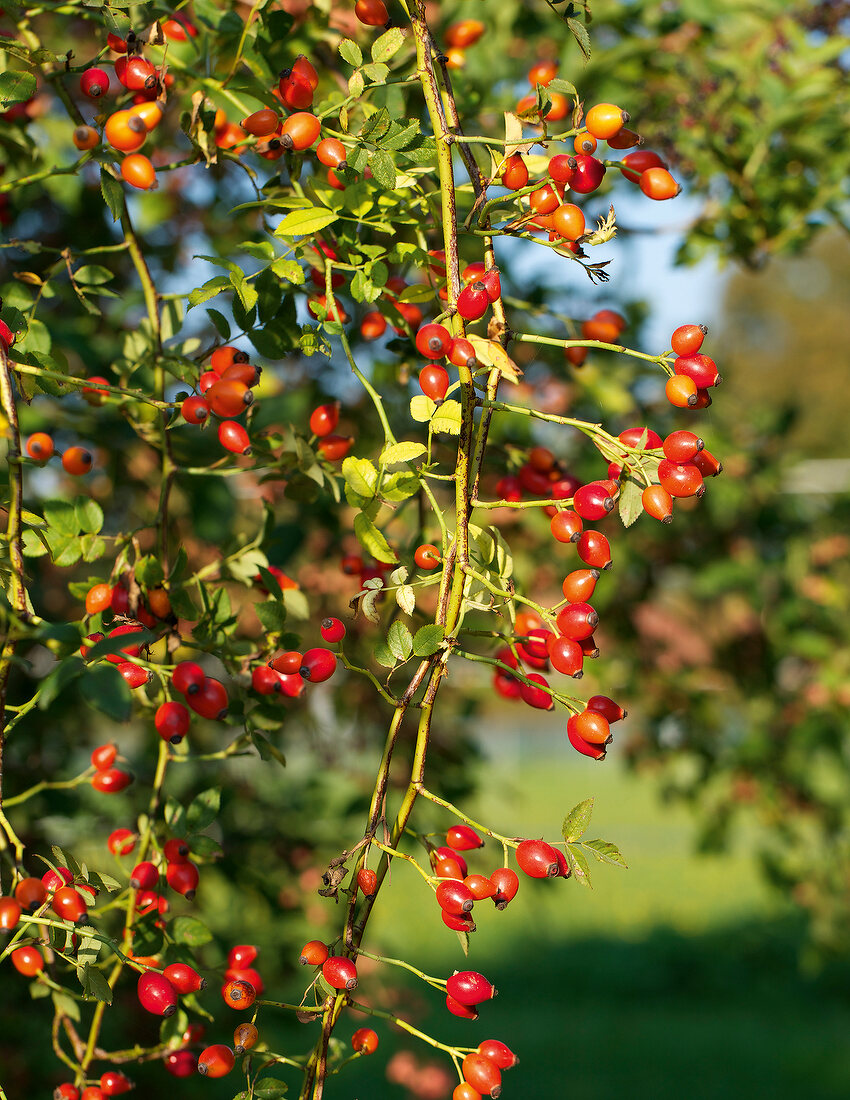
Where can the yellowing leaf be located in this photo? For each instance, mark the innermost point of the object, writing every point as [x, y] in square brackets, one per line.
[491, 354]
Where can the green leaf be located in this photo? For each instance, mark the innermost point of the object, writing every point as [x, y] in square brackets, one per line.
[64, 549]
[383, 169]
[92, 547]
[383, 655]
[89, 515]
[428, 639]
[301, 223]
[577, 821]
[400, 641]
[189, 931]
[579, 32]
[66, 1006]
[175, 816]
[630, 504]
[182, 605]
[95, 985]
[400, 486]
[205, 846]
[400, 139]
[113, 194]
[272, 615]
[61, 516]
[388, 44]
[58, 679]
[372, 540]
[270, 1087]
[422, 408]
[376, 125]
[32, 545]
[606, 852]
[447, 418]
[377, 72]
[210, 289]
[221, 323]
[361, 475]
[349, 51]
[246, 291]
[108, 646]
[578, 865]
[16, 87]
[149, 571]
[266, 749]
[203, 809]
[93, 275]
[561, 85]
[104, 688]
[290, 270]
[172, 1027]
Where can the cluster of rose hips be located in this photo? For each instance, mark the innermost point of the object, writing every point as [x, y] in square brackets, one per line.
[580, 171]
[76, 460]
[434, 341]
[289, 672]
[112, 1083]
[40, 446]
[482, 1070]
[227, 392]
[57, 888]
[458, 891]
[323, 422]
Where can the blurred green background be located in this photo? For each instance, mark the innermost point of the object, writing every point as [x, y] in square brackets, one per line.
[717, 964]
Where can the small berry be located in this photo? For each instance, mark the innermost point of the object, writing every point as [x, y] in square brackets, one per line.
[239, 994]
[427, 556]
[434, 381]
[473, 301]
[482, 1074]
[367, 880]
[184, 978]
[245, 1037]
[498, 1053]
[181, 1063]
[40, 446]
[506, 881]
[313, 953]
[156, 994]
[340, 973]
[188, 678]
[121, 842]
[318, 665]
[216, 1061]
[463, 838]
[364, 1041]
[111, 780]
[658, 503]
[171, 722]
[687, 339]
[465, 1012]
[145, 876]
[115, 1083]
[537, 858]
[77, 461]
[332, 630]
[469, 987]
[94, 83]
[183, 878]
